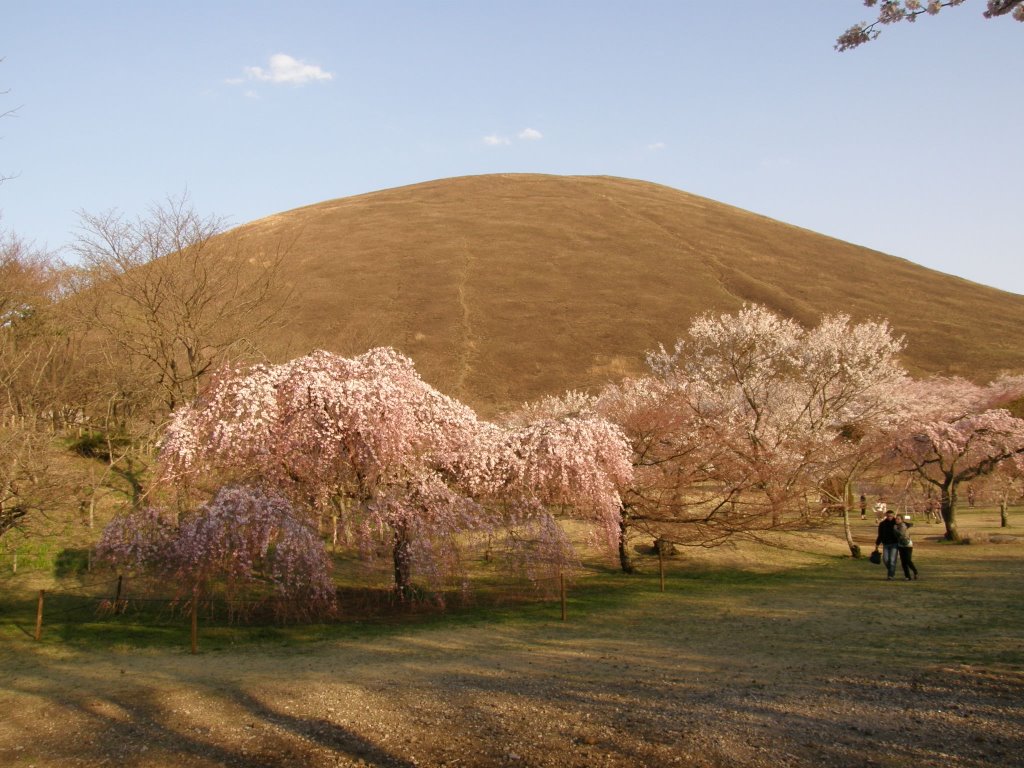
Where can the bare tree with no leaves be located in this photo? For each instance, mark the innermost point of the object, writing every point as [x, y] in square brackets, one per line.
[6, 113]
[34, 350]
[171, 296]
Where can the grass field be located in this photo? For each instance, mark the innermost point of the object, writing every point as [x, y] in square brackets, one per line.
[752, 656]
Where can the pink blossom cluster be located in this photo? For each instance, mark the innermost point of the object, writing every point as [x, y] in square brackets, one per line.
[242, 536]
[780, 396]
[578, 461]
[957, 431]
[894, 11]
[322, 421]
[367, 438]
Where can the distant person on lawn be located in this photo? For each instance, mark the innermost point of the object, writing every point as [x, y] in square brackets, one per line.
[906, 546]
[863, 507]
[889, 541]
[931, 509]
[881, 508]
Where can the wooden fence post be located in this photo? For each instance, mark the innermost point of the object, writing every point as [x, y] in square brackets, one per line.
[117, 595]
[39, 617]
[195, 619]
[661, 564]
[561, 584]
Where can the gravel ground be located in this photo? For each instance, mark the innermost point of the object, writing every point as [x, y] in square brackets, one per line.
[481, 700]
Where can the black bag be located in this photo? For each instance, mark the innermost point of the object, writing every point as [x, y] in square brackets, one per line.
[875, 557]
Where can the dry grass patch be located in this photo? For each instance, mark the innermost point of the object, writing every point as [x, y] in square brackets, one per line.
[504, 288]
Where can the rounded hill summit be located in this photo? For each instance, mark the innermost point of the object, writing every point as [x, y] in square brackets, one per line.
[507, 287]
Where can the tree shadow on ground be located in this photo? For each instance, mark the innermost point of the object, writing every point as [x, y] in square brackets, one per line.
[836, 667]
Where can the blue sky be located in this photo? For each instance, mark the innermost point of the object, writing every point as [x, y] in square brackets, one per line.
[910, 145]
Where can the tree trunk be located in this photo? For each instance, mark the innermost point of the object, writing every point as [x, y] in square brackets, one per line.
[847, 500]
[1004, 520]
[947, 502]
[625, 561]
[403, 568]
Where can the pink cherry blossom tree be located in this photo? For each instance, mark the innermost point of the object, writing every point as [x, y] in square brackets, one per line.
[673, 494]
[367, 438]
[1004, 486]
[895, 11]
[242, 537]
[957, 432]
[538, 462]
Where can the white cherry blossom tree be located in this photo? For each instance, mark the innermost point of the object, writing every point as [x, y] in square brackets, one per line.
[748, 422]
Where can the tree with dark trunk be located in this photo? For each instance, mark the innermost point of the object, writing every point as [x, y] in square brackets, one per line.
[959, 434]
[747, 419]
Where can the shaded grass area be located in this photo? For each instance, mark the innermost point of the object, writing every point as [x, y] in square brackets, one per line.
[835, 608]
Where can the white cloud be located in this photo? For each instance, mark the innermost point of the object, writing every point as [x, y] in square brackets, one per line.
[285, 69]
[527, 134]
[656, 146]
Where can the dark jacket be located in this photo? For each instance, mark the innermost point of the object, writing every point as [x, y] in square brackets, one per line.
[887, 532]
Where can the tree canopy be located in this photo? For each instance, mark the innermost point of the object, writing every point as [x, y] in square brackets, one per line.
[367, 440]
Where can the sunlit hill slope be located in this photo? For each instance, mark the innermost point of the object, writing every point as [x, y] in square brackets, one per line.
[503, 288]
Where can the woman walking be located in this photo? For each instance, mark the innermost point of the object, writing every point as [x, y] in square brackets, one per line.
[905, 546]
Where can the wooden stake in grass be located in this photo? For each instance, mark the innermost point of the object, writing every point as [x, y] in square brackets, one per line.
[119, 606]
[39, 617]
[661, 563]
[195, 619]
[561, 585]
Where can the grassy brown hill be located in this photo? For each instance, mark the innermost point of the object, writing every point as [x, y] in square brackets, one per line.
[503, 288]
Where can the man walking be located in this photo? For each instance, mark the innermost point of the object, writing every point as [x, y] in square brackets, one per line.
[889, 540]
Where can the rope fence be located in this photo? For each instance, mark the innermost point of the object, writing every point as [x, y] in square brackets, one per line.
[85, 596]
[109, 599]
